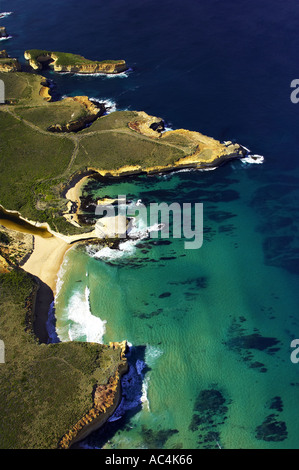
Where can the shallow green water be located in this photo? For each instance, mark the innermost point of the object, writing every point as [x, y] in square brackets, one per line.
[213, 325]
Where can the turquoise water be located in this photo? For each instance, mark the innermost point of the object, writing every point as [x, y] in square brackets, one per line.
[191, 317]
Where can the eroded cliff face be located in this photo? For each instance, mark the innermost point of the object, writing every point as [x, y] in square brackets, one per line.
[106, 399]
[82, 66]
[44, 92]
[90, 68]
[12, 65]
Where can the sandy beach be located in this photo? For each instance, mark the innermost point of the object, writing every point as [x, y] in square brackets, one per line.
[46, 259]
[44, 263]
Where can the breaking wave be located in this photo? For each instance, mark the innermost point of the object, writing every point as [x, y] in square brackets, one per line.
[105, 75]
[110, 105]
[5, 14]
[255, 159]
[137, 231]
[81, 325]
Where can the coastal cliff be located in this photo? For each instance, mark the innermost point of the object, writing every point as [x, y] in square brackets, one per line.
[72, 63]
[106, 399]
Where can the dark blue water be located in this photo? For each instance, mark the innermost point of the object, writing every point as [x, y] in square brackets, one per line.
[223, 68]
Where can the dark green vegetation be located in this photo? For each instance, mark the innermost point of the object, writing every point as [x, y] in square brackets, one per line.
[45, 389]
[36, 166]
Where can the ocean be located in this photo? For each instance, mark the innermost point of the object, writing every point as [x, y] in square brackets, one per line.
[209, 329]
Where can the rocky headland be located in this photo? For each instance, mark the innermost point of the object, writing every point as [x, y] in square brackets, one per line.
[72, 63]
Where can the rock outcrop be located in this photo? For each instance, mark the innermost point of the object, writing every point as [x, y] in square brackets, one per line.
[8, 64]
[151, 126]
[72, 63]
[3, 33]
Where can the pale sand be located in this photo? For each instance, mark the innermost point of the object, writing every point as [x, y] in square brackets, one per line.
[74, 192]
[46, 259]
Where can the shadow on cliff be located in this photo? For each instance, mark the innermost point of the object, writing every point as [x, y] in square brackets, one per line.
[131, 402]
[44, 302]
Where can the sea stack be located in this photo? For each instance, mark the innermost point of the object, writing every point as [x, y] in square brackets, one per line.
[3, 33]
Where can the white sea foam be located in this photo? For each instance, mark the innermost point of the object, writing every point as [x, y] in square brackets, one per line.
[125, 249]
[185, 170]
[152, 353]
[110, 105]
[166, 129]
[4, 14]
[209, 168]
[83, 323]
[137, 232]
[255, 159]
[6, 38]
[144, 396]
[245, 148]
[60, 276]
[105, 75]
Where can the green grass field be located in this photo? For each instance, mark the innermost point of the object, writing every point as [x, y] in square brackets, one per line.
[111, 150]
[59, 112]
